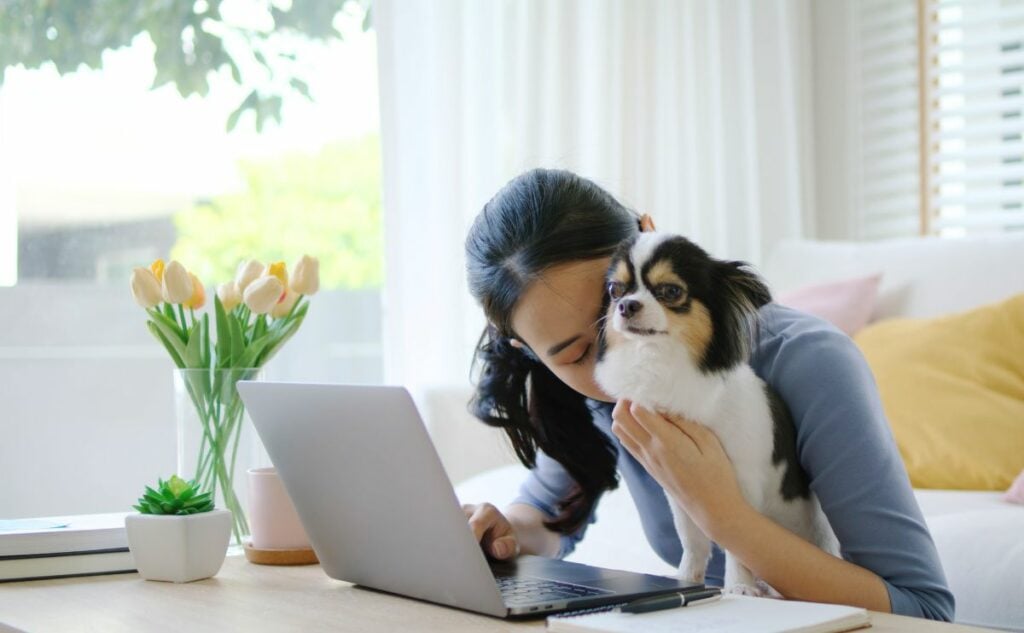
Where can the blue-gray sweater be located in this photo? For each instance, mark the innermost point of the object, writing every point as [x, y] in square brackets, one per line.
[843, 442]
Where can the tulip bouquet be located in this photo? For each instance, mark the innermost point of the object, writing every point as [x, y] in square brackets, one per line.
[253, 316]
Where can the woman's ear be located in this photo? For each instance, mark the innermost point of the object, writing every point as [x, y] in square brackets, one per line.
[647, 224]
[519, 345]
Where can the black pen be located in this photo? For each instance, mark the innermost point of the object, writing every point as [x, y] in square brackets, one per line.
[672, 600]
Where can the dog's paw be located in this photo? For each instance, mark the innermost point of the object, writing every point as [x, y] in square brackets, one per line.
[691, 573]
[767, 590]
[741, 589]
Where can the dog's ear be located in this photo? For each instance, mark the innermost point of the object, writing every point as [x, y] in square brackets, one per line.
[743, 286]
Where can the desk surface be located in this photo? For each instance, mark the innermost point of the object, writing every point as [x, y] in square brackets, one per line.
[247, 597]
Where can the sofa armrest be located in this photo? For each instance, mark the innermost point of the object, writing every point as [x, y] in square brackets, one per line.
[466, 445]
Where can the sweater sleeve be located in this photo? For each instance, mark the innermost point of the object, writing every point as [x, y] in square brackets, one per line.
[544, 487]
[845, 445]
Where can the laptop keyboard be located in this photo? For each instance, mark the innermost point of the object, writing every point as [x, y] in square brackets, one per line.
[517, 590]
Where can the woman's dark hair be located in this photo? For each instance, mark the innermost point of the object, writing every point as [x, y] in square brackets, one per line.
[540, 219]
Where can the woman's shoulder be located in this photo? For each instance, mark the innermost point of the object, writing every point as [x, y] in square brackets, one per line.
[794, 344]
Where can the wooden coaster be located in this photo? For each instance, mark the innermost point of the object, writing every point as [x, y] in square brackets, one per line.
[301, 556]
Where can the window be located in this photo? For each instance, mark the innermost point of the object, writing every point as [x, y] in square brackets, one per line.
[973, 123]
[919, 116]
[101, 172]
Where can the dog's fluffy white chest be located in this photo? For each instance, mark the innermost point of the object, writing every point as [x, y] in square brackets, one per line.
[660, 376]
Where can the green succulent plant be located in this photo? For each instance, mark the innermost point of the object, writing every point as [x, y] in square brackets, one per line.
[174, 496]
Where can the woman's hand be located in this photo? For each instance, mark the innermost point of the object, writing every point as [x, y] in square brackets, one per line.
[686, 458]
[492, 530]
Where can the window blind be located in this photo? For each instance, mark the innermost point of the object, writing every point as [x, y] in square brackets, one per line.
[973, 69]
[887, 190]
[938, 127]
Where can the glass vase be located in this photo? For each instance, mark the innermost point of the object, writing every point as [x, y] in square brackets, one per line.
[216, 440]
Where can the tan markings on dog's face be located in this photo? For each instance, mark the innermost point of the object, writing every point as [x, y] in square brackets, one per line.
[662, 274]
[692, 328]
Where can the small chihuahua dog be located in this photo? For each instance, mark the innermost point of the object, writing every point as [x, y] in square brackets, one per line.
[677, 339]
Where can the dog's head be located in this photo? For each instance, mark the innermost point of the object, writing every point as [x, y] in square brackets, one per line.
[666, 287]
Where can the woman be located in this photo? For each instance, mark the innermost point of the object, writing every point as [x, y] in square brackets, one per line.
[537, 254]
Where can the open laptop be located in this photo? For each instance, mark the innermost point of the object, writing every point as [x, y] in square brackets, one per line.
[380, 511]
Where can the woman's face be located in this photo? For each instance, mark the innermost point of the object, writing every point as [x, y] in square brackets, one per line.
[557, 317]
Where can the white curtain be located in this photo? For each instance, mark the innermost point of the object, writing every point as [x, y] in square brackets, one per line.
[697, 112]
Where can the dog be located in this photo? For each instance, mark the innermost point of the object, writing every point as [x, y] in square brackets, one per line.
[676, 338]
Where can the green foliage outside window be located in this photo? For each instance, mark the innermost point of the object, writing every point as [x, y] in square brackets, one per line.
[325, 204]
[193, 40]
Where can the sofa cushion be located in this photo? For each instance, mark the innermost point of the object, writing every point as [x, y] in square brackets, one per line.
[846, 303]
[982, 553]
[953, 390]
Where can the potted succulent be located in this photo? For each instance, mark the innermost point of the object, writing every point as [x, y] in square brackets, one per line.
[177, 535]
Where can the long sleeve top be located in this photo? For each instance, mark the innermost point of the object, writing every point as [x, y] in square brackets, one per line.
[843, 443]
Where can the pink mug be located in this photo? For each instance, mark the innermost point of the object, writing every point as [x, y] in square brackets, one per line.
[273, 522]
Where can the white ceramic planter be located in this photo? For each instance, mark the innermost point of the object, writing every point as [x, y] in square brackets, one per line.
[179, 548]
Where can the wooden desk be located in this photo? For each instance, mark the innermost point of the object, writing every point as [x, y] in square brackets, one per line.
[247, 597]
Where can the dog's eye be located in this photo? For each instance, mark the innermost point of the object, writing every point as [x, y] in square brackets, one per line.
[668, 292]
[616, 289]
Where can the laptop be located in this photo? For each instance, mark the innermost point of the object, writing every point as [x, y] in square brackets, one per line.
[380, 511]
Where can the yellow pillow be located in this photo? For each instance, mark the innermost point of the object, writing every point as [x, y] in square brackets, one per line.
[953, 390]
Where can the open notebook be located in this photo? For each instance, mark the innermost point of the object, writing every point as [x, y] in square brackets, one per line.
[731, 614]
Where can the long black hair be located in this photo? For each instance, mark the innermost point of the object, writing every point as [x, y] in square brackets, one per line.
[540, 219]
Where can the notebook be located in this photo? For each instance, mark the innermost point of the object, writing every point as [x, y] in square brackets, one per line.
[62, 535]
[66, 565]
[731, 614]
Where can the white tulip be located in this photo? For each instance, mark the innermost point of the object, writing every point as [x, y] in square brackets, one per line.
[306, 276]
[145, 288]
[261, 295]
[282, 309]
[229, 296]
[248, 272]
[177, 286]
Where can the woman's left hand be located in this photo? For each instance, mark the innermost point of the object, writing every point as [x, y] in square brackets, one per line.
[686, 458]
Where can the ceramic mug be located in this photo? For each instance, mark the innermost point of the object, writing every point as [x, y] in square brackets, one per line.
[273, 522]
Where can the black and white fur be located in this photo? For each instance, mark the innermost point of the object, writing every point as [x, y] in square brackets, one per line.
[685, 351]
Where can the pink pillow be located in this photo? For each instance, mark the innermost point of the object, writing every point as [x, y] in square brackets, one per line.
[847, 304]
[1016, 492]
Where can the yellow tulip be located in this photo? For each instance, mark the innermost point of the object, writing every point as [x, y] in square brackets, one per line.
[198, 298]
[145, 288]
[177, 286]
[248, 272]
[284, 306]
[262, 295]
[157, 267]
[306, 276]
[229, 296]
[277, 269]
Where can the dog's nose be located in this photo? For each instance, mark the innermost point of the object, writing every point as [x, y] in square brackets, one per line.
[629, 307]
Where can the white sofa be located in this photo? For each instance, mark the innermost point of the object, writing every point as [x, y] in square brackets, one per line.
[980, 538]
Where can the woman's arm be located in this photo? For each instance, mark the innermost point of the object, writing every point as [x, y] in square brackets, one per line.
[795, 568]
[533, 537]
[521, 529]
[688, 461]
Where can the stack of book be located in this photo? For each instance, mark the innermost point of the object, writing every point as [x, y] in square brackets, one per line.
[58, 547]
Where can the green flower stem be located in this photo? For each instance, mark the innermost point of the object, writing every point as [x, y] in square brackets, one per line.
[221, 429]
